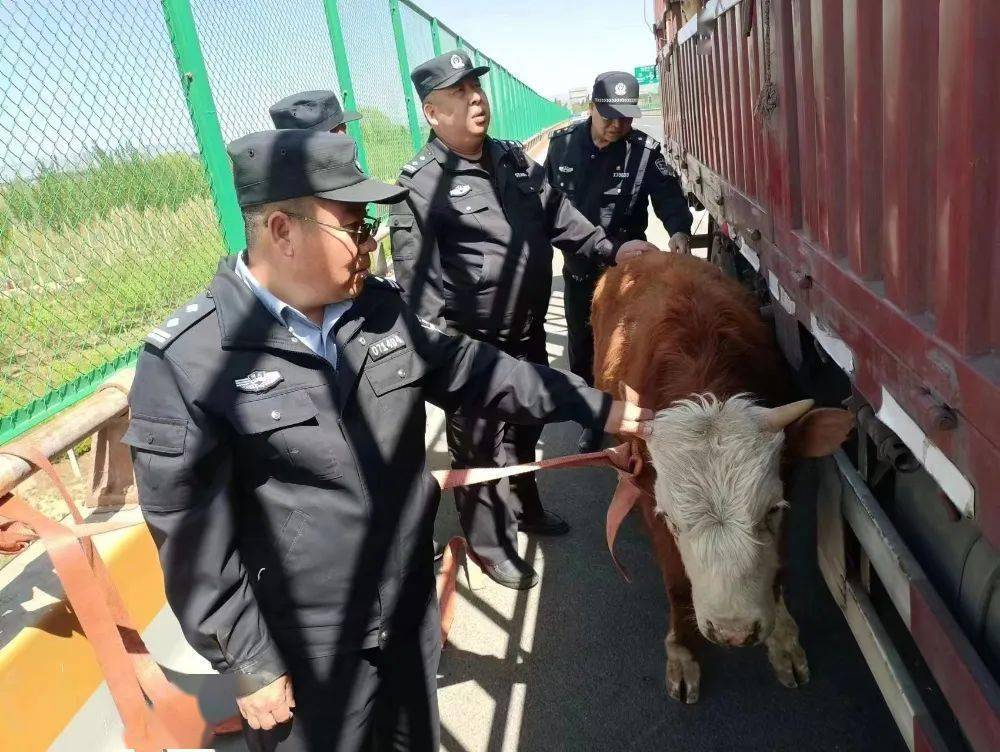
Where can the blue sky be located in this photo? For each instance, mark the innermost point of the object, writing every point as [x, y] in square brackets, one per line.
[554, 45]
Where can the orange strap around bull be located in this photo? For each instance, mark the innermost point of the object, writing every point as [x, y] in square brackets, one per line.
[625, 458]
[170, 718]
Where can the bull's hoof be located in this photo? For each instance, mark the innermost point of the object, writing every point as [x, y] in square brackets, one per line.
[786, 655]
[683, 673]
[790, 664]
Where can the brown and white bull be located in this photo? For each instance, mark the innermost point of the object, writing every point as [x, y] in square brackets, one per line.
[691, 343]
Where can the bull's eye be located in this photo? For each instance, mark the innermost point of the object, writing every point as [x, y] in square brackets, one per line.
[773, 518]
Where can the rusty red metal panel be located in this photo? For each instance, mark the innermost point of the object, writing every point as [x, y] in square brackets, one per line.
[712, 83]
[744, 139]
[720, 58]
[731, 22]
[909, 70]
[806, 126]
[781, 135]
[753, 65]
[968, 158]
[863, 97]
[828, 69]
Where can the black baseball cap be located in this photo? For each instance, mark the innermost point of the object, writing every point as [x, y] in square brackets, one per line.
[443, 71]
[317, 110]
[277, 165]
[616, 95]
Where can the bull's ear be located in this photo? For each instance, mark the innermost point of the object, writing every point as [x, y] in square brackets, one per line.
[819, 432]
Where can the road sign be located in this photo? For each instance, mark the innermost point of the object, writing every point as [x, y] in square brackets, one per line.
[647, 74]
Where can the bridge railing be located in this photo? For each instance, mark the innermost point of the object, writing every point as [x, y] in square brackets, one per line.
[116, 197]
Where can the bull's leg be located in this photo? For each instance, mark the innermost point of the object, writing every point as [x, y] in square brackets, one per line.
[683, 673]
[683, 669]
[784, 651]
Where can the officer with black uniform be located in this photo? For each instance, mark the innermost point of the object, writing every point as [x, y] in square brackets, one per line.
[277, 433]
[610, 171]
[314, 110]
[472, 248]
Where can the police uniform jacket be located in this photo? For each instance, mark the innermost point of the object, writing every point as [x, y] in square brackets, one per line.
[472, 248]
[290, 501]
[611, 186]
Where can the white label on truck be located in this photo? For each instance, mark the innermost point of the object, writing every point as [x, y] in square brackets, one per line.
[750, 255]
[943, 470]
[833, 345]
[773, 286]
[786, 300]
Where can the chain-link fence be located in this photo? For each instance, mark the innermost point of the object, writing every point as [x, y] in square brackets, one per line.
[116, 195]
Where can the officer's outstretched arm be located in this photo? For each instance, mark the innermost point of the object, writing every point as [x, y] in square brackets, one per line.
[183, 468]
[668, 196]
[416, 258]
[478, 379]
[571, 232]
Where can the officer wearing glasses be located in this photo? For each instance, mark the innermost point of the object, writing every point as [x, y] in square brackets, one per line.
[277, 433]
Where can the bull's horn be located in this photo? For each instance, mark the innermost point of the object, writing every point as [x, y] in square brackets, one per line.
[776, 418]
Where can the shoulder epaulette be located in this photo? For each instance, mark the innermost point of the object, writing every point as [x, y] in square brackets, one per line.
[566, 129]
[511, 146]
[383, 283]
[645, 139]
[181, 320]
[421, 159]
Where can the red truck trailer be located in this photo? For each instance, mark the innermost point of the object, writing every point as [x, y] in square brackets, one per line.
[848, 154]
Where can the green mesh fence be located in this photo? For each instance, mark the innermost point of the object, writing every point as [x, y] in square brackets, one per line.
[116, 199]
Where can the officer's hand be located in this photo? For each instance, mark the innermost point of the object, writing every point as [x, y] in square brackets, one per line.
[269, 706]
[680, 242]
[628, 419]
[633, 248]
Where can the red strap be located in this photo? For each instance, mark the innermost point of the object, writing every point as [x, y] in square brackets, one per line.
[175, 719]
[447, 583]
[625, 458]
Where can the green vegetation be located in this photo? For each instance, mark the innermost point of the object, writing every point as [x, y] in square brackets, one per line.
[59, 198]
[92, 258]
[388, 144]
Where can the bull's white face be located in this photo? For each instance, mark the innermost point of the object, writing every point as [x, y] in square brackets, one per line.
[719, 488]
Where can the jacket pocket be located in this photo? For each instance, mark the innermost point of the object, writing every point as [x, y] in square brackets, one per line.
[284, 431]
[153, 434]
[397, 372]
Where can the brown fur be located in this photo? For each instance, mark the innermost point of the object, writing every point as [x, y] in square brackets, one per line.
[670, 326]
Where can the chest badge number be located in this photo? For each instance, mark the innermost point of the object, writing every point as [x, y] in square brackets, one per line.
[459, 190]
[259, 381]
[385, 346]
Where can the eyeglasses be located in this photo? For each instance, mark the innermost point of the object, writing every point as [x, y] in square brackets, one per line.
[365, 231]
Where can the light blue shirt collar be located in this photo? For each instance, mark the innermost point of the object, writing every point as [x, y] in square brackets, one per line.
[319, 339]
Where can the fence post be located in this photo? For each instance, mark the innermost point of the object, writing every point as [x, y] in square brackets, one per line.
[343, 66]
[404, 74]
[207, 131]
[436, 36]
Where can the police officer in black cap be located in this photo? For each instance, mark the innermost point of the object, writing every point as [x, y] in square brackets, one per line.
[609, 171]
[277, 433]
[472, 248]
[312, 110]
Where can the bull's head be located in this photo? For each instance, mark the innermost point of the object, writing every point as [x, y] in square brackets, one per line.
[719, 489]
